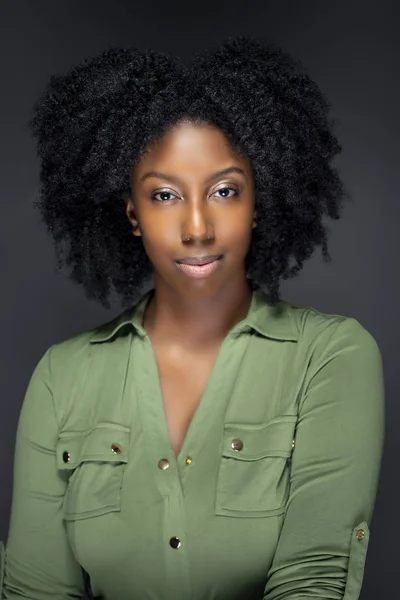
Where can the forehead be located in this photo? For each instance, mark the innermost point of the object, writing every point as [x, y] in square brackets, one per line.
[189, 146]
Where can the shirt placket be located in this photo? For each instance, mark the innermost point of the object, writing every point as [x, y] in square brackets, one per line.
[173, 474]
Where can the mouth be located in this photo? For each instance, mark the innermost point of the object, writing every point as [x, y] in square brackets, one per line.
[199, 270]
[199, 260]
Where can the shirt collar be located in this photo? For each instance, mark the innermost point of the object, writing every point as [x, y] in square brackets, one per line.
[274, 322]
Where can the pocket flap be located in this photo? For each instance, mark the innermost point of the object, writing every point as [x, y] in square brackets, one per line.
[254, 441]
[106, 442]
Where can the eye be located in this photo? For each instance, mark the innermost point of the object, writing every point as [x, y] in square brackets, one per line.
[166, 196]
[163, 193]
[228, 189]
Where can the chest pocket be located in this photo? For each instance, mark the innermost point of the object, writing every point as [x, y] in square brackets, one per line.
[97, 460]
[254, 470]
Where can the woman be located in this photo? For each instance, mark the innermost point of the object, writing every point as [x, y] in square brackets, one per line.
[212, 441]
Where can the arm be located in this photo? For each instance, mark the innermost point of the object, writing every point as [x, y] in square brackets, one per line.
[37, 561]
[335, 469]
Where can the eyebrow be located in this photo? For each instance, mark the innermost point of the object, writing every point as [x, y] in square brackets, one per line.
[175, 179]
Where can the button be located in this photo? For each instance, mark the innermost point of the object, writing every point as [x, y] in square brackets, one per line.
[292, 443]
[66, 456]
[360, 534]
[163, 463]
[237, 445]
[175, 542]
[116, 449]
[188, 460]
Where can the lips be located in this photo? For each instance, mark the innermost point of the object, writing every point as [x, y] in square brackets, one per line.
[199, 260]
[199, 271]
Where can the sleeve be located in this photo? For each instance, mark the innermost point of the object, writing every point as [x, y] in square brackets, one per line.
[335, 469]
[37, 562]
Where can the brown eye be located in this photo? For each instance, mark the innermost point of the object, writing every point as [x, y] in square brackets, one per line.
[163, 195]
[226, 191]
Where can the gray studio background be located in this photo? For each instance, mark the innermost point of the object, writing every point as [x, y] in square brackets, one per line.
[352, 50]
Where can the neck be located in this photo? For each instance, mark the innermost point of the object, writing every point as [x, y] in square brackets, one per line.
[172, 317]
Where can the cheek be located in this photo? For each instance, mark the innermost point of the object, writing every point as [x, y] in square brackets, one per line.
[235, 232]
[159, 238]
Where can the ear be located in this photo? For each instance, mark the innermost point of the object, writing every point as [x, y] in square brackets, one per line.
[130, 213]
[255, 219]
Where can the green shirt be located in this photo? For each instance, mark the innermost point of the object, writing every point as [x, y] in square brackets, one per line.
[271, 495]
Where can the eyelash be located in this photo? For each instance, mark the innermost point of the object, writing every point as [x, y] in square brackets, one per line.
[153, 196]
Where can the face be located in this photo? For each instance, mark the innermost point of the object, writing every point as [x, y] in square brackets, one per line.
[185, 208]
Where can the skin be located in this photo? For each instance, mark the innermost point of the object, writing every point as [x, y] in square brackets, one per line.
[194, 313]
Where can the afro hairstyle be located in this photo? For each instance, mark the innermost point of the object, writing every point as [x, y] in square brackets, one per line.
[95, 122]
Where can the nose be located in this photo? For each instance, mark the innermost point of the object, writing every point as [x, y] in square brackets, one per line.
[197, 224]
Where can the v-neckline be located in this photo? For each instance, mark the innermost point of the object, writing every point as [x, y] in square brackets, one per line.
[203, 405]
[205, 402]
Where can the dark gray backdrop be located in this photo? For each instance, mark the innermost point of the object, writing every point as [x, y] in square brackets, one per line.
[351, 48]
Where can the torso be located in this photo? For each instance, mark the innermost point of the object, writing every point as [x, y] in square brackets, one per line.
[183, 378]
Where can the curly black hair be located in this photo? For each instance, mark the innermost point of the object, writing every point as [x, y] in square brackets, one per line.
[95, 122]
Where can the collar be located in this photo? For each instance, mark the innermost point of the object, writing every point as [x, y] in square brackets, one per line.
[274, 322]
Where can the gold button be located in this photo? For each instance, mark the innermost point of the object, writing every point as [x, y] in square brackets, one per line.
[292, 443]
[116, 448]
[163, 463]
[188, 460]
[66, 456]
[237, 445]
[360, 534]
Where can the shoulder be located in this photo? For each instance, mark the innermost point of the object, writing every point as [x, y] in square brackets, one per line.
[340, 341]
[316, 327]
[72, 354]
[340, 367]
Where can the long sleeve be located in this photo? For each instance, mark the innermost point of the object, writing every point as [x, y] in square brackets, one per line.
[37, 561]
[335, 469]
